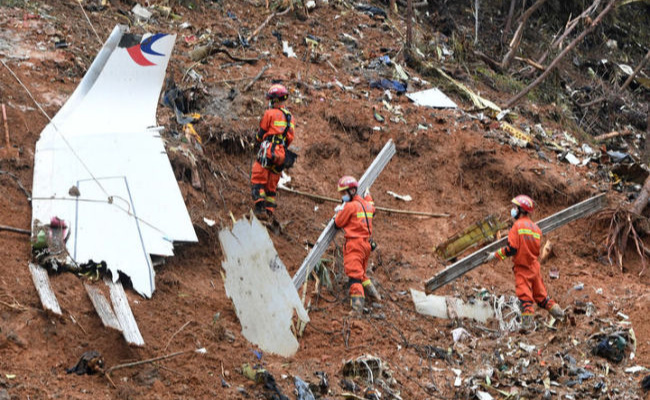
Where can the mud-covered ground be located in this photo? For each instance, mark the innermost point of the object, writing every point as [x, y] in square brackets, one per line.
[444, 161]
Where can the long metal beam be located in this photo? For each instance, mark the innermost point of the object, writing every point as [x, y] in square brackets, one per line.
[548, 224]
[328, 233]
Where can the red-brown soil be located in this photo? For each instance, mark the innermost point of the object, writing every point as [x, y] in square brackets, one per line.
[449, 167]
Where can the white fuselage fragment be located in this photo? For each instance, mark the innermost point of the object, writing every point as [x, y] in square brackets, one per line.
[260, 287]
[104, 142]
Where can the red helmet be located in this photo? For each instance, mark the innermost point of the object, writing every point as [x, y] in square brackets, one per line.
[278, 92]
[524, 202]
[347, 182]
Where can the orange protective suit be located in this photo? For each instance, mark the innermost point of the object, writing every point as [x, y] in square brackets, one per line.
[265, 174]
[524, 241]
[357, 224]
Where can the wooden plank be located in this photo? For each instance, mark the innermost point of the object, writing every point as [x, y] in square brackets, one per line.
[328, 233]
[42, 283]
[548, 224]
[103, 307]
[124, 314]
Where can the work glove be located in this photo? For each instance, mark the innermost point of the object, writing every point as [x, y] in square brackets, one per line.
[489, 257]
[338, 208]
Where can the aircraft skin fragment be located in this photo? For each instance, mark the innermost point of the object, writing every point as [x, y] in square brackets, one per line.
[260, 287]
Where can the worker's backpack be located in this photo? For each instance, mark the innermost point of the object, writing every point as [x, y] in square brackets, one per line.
[272, 153]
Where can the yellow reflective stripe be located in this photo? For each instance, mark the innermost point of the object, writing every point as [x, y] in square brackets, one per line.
[501, 255]
[279, 123]
[363, 215]
[366, 283]
[529, 233]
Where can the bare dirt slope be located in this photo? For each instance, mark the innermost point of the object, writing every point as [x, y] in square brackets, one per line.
[448, 167]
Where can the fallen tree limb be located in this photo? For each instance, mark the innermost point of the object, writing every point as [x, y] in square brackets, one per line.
[388, 210]
[266, 21]
[16, 230]
[256, 78]
[151, 360]
[564, 52]
[202, 52]
[516, 39]
[18, 182]
[531, 63]
[570, 26]
[610, 135]
[636, 71]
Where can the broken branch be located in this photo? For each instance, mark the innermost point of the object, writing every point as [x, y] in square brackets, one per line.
[564, 52]
[176, 333]
[610, 135]
[636, 71]
[266, 21]
[152, 360]
[257, 77]
[388, 210]
[12, 229]
[516, 40]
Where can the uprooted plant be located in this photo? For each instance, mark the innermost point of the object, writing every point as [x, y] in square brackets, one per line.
[624, 225]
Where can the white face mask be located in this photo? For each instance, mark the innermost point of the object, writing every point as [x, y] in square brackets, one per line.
[346, 198]
[514, 212]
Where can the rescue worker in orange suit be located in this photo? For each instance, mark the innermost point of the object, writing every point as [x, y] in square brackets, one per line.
[524, 241]
[274, 137]
[355, 217]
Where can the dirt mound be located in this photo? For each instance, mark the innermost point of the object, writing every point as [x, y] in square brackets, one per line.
[487, 167]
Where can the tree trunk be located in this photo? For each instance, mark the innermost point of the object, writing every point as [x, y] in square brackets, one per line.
[476, 9]
[564, 52]
[642, 200]
[511, 12]
[409, 25]
[516, 40]
[392, 7]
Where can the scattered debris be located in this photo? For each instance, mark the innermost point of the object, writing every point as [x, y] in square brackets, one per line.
[460, 334]
[209, 222]
[477, 234]
[387, 84]
[288, 50]
[433, 98]
[90, 363]
[611, 347]
[449, 307]
[302, 389]
[402, 197]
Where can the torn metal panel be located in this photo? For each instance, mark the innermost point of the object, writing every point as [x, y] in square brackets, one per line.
[103, 307]
[42, 283]
[548, 224]
[124, 314]
[474, 235]
[326, 237]
[260, 287]
[431, 98]
[450, 307]
[103, 142]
